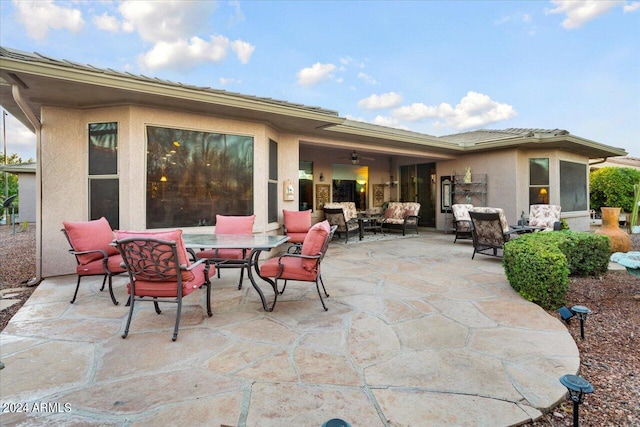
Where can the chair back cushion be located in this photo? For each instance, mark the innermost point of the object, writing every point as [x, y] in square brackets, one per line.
[499, 211]
[544, 215]
[297, 221]
[234, 224]
[461, 211]
[349, 209]
[487, 228]
[314, 243]
[90, 235]
[170, 235]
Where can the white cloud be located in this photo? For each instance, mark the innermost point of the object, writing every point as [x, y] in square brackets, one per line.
[367, 78]
[243, 50]
[39, 17]
[388, 122]
[224, 81]
[475, 110]
[167, 20]
[315, 74]
[171, 25]
[580, 12]
[377, 102]
[106, 22]
[631, 7]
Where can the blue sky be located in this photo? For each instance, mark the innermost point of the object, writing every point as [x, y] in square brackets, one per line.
[434, 67]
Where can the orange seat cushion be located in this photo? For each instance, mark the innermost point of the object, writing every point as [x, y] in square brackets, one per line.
[95, 267]
[293, 269]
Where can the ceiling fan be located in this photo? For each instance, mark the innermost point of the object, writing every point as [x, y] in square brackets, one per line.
[355, 158]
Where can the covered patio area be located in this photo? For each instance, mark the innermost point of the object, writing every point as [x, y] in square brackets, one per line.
[416, 334]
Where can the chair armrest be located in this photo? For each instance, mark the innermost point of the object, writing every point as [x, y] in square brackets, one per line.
[103, 252]
[193, 265]
[288, 254]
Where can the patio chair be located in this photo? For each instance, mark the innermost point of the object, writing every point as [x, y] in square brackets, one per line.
[92, 245]
[547, 216]
[462, 221]
[345, 217]
[489, 234]
[295, 225]
[305, 266]
[402, 216]
[160, 271]
[230, 258]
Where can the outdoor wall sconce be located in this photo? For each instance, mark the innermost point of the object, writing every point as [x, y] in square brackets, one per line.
[582, 313]
[391, 183]
[577, 387]
[321, 177]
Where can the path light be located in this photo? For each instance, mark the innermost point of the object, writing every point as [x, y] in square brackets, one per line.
[566, 314]
[336, 422]
[582, 313]
[577, 387]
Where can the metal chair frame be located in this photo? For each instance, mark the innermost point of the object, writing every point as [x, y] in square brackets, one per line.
[155, 260]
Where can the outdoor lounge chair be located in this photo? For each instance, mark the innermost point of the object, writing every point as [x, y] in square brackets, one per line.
[547, 216]
[160, 271]
[305, 266]
[462, 221]
[295, 225]
[402, 216]
[230, 258]
[92, 244]
[344, 216]
[488, 232]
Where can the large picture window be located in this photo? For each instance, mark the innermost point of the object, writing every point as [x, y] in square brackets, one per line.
[573, 186]
[194, 175]
[104, 184]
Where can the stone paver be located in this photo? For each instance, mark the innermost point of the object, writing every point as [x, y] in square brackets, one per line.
[416, 334]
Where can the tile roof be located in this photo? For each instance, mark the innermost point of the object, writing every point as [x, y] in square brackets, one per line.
[482, 135]
[43, 59]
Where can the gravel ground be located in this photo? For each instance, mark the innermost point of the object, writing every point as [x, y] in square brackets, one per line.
[610, 352]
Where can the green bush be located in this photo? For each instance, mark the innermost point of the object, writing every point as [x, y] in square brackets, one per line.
[539, 273]
[613, 187]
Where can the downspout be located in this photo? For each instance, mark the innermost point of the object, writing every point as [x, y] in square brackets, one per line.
[604, 159]
[37, 126]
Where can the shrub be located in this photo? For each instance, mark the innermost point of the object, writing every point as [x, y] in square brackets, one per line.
[613, 187]
[536, 272]
[539, 273]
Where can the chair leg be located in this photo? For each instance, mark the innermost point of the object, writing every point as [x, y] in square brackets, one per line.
[75, 294]
[320, 295]
[157, 307]
[283, 288]
[113, 298]
[241, 276]
[126, 328]
[104, 280]
[175, 329]
[208, 285]
[323, 288]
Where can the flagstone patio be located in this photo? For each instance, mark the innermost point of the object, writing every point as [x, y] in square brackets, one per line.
[416, 334]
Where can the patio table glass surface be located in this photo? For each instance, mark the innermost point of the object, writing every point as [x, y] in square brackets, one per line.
[256, 242]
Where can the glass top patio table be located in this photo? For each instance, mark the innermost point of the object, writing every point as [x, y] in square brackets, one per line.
[256, 242]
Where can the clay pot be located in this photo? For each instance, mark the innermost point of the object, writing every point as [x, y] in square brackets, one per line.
[620, 240]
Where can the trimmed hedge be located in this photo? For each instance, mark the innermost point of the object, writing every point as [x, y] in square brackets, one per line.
[538, 265]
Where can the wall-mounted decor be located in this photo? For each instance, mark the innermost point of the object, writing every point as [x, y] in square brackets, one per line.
[378, 195]
[288, 193]
[322, 195]
[445, 194]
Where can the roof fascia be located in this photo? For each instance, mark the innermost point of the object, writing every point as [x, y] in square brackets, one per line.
[124, 82]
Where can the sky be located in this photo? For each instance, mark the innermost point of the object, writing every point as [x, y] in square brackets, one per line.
[434, 67]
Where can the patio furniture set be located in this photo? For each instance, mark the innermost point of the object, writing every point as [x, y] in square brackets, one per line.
[401, 216]
[165, 266]
[490, 230]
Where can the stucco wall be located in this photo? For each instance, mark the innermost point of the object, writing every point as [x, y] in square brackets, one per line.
[65, 168]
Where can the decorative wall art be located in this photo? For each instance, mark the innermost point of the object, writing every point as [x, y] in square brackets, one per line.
[378, 195]
[322, 195]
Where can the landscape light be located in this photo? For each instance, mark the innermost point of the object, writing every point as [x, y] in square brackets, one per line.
[577, 387]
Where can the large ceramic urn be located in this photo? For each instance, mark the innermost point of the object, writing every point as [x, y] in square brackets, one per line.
[620, 240]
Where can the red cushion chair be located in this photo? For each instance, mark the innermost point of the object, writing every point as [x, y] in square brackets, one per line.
[230, 258]
[160, 271]
[305, 266]
[295, 225]
[92, 244]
